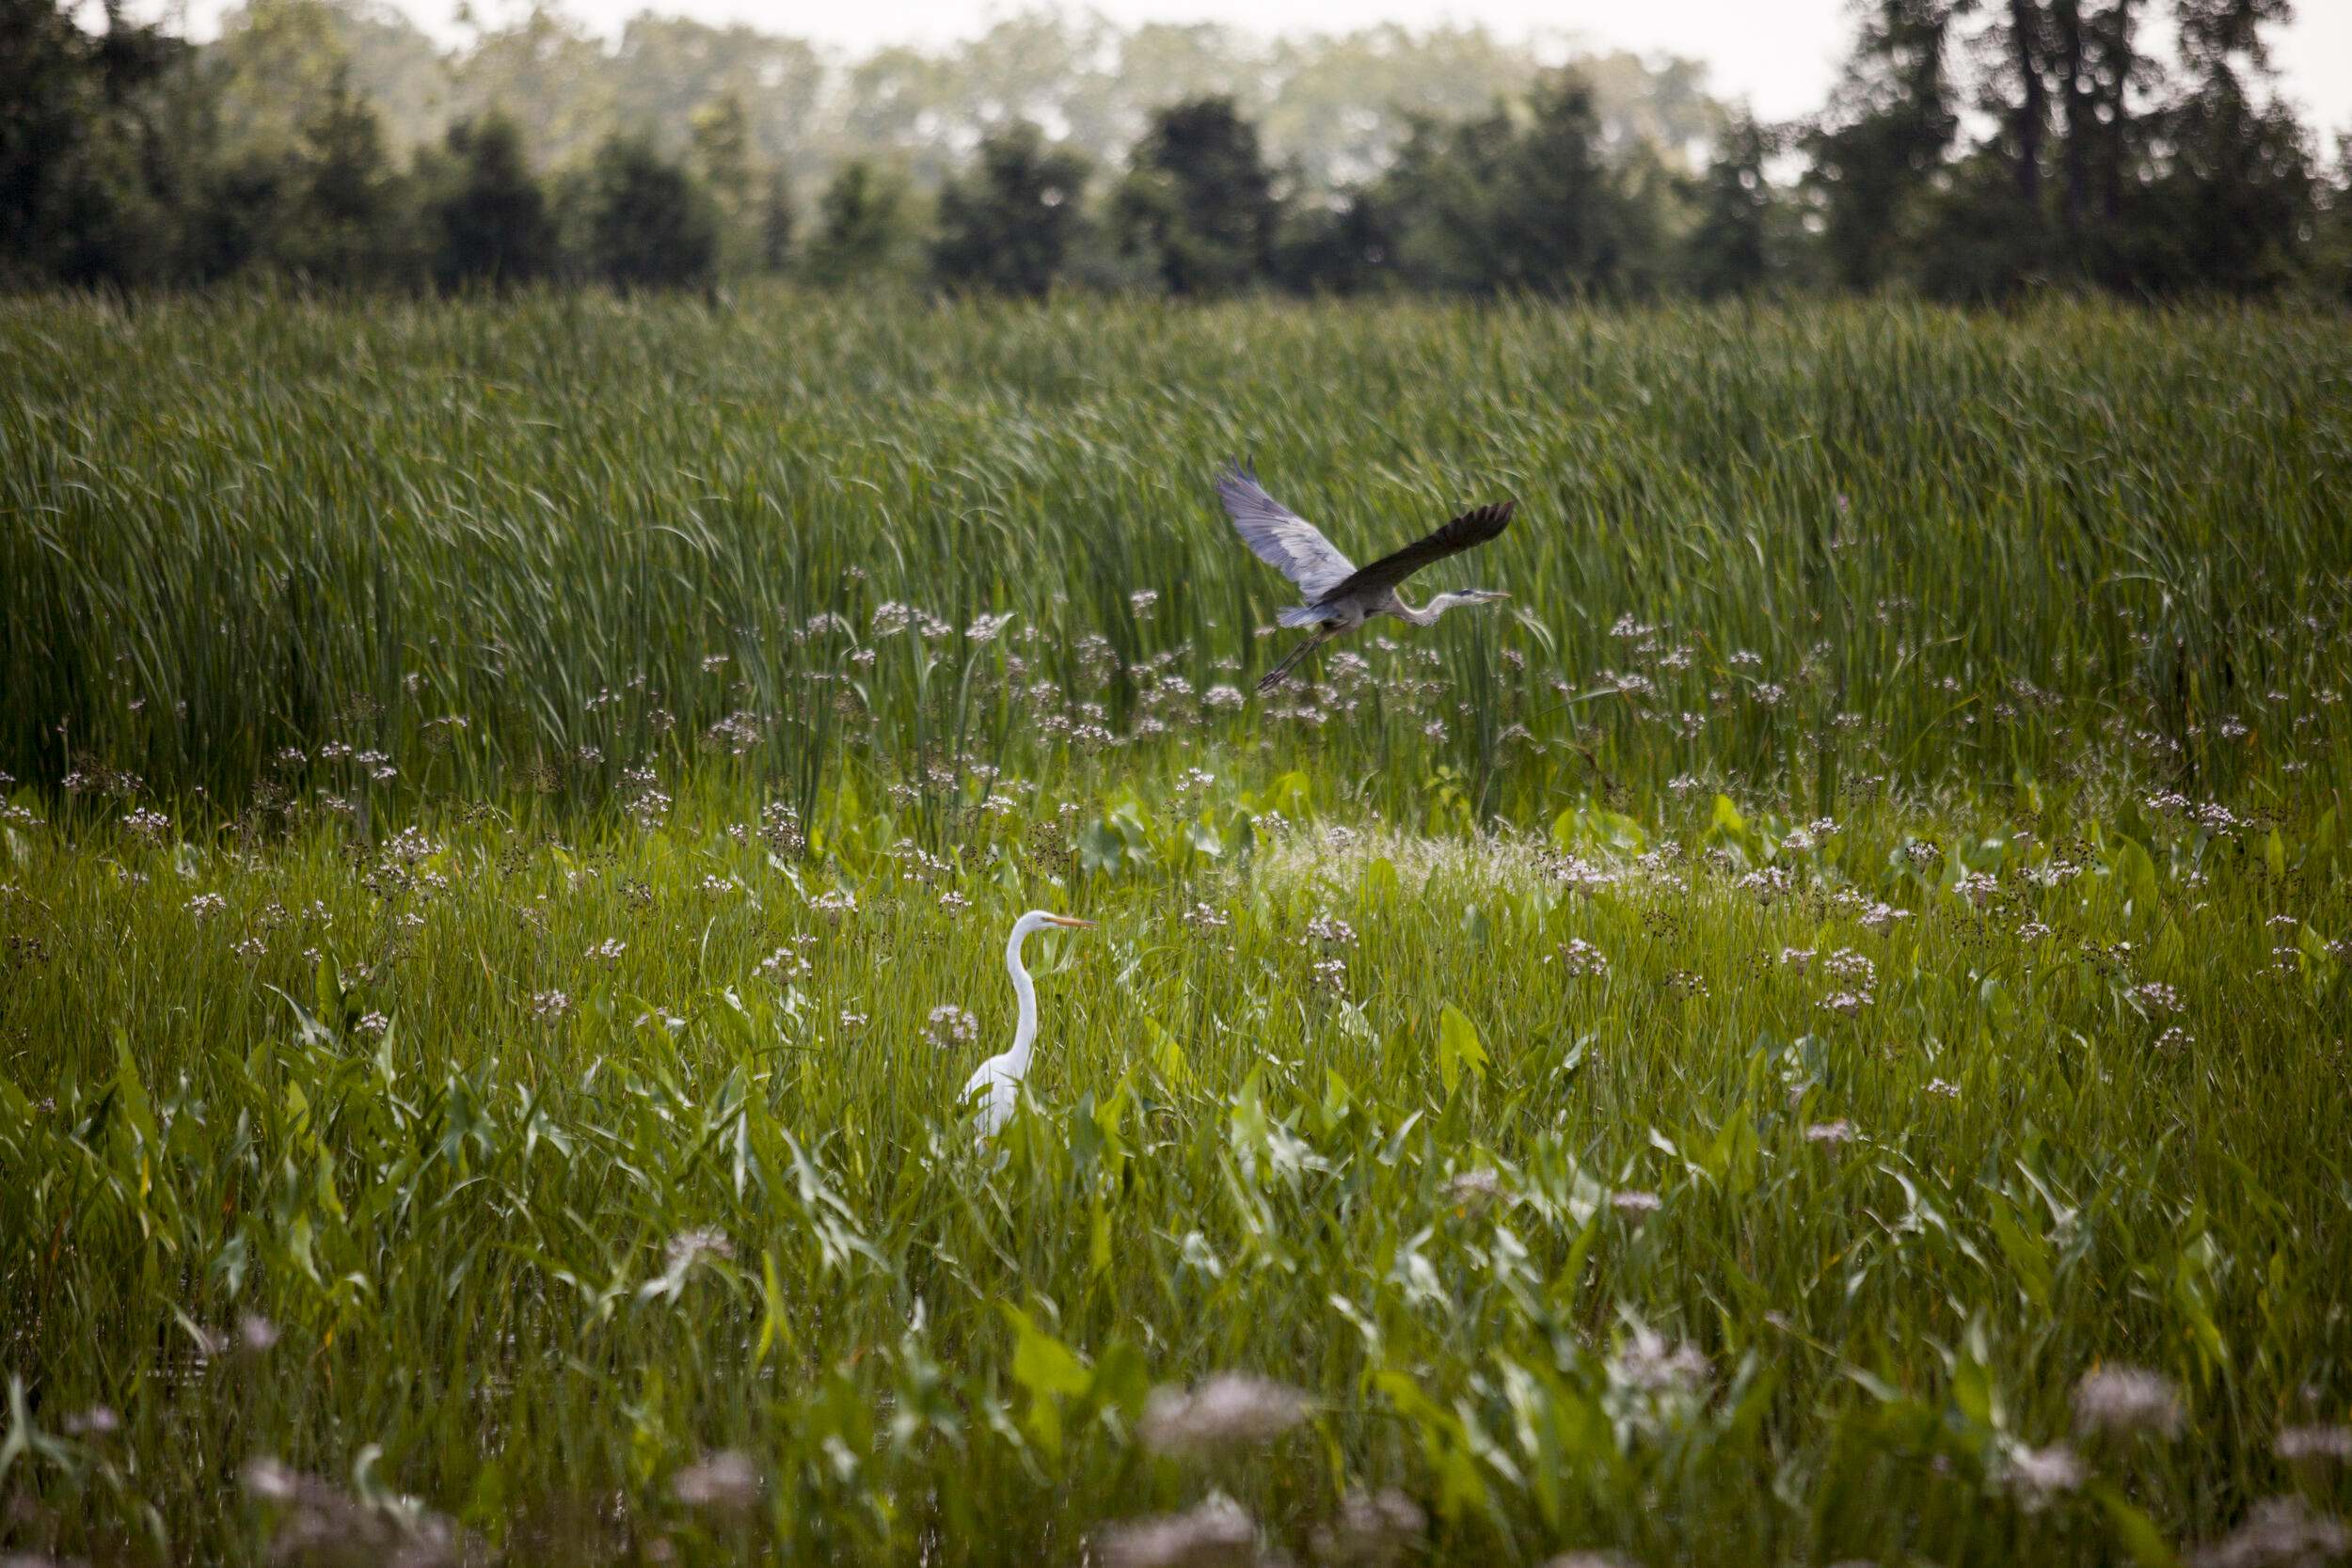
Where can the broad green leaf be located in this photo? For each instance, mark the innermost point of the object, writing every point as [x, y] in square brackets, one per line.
[1458, 1049]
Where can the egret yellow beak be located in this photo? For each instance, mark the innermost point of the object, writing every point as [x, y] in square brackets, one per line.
[1072, 921]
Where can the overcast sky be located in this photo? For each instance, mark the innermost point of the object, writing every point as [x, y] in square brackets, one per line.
[1778, 55]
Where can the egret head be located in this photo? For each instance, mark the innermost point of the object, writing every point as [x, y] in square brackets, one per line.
[1038, 919]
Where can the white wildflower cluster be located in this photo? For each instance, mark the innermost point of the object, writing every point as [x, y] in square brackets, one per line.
[1655, 1385]
[782, 966]
[726, 1481]
[1581, 876]
[834, 903]
[1141, 602]
[1798, 958]
[1225, 1411]
[2219, 819]
[1331, 931]
[987, 628]
[690, 1246]
[1373, 1530]
[2037, 1477]
[2127, 1400]
[1769, 883]
[2321, 1443]
[892, 618]
[951, 1026]
[1330, 976]
[1857, 978]
[1812, 835]
[410, 846]
[918, 865]
[1204, 917]
[1210, 1534]
[548, 1006]
[204, 906]
[1474, 1188]
[1647, 1363]
[1882, 917]
[738, 734]
[1577, 956]
[2155, 996]
[2279, 1532]
[313, 1521]
[1978, 887]
[608, 952]
[1830, 1132]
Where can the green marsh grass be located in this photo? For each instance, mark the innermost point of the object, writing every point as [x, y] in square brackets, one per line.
[1703, 1069]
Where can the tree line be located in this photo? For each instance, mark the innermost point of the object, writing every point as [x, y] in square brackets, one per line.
[1972, 150]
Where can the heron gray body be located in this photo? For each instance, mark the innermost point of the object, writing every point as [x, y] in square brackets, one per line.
[1340, 595]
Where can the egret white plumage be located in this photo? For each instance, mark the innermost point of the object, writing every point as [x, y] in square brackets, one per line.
[996, 1086]
[1339, 594]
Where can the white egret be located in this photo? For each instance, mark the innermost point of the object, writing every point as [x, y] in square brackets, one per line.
[997, 1083]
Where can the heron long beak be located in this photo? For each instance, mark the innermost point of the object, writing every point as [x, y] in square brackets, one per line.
[1072, 921]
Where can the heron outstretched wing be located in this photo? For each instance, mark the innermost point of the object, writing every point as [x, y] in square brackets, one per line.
[1281, 538]
[1472, 528]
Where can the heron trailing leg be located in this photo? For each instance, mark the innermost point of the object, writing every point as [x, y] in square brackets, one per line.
[1275, 676]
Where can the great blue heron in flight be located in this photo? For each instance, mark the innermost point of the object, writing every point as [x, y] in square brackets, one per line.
[996, 1086]
[1339, 594]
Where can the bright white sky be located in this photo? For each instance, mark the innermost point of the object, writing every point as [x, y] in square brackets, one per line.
[1778, 55]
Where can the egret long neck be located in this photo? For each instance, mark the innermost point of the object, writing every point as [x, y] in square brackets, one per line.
[1017, 1059]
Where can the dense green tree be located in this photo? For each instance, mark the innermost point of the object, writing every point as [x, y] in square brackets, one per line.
[2233, 203]
[490, 217]
[864, 230]
[722, 145]
[47, 88]
[1878, 150]
[1571, 218]
[94, 183]
[1526, 198]
[2332, 250]
[347, 216]
[648, 225]
[1198, 198]
[1730, 248]
[1344, 247]
[1007, 224]
[777, 222]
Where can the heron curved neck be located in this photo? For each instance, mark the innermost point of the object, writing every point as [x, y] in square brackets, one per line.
[1024, 1031]
[1428, 614]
